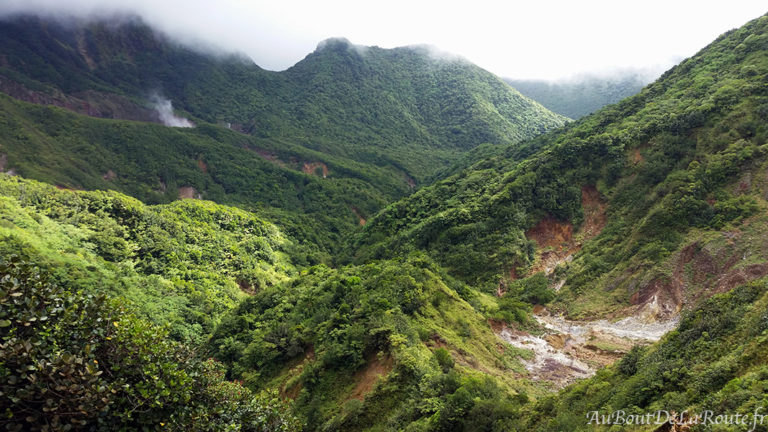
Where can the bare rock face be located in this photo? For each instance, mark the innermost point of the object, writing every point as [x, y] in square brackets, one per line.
[188, 192]
[555, 340]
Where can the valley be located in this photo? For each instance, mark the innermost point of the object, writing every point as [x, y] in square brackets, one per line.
[374, 239]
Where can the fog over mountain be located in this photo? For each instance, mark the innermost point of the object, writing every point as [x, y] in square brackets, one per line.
[512, 40]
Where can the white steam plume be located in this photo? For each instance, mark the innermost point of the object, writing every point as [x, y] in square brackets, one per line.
[164, 109]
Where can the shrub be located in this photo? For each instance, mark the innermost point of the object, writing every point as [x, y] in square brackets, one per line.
[72, 360]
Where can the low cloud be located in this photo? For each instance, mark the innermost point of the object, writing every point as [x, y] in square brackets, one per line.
[164, 109]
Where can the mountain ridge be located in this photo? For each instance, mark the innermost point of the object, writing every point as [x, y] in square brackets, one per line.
[359, 118]
[526, 286]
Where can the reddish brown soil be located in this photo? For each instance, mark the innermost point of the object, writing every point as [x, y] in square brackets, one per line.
[293, 391]
[594, 212]
[377, 367]
[246, 287]
[550, 232]
[437, 341]
[90, 102]
[410, 180]
[311, 168]
[637, 157]
[496, 325]
[265, 154]
[362, 220]
[556, 240]
[109, 175]
[202, 165]
[188, 192]
[696, 267]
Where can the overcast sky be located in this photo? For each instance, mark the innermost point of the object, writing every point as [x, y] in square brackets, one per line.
[520, 39]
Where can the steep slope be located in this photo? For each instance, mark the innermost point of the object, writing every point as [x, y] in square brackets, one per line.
[643, 211]
[317, 149]
[659, 172]
[581, 95]
[402, 109]
[412, 106]
[647, 210]
[158, 164]
[391, 345]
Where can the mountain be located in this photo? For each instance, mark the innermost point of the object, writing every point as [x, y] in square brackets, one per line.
[615, 229]
[317, 148]
[643, 174]
[583, 94]
[392, 108]
[616, 263]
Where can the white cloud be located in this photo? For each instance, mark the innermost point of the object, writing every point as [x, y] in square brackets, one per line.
[544, 39]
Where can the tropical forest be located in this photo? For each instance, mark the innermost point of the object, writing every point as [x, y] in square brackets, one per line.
[376, 239]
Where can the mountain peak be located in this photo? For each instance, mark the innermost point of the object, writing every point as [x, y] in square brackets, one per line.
[339, 43]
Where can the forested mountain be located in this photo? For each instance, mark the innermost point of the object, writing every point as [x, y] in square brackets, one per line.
[526, 288]
[649, 169]
[405, 109]
[318, 148]
[583, 94]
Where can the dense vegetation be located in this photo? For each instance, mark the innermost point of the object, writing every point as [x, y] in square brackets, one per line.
[317, 148]
[404, 109]
[154, 163]
[326, 336]
[663, 161]
[74, 360]
[581, 95]
[181, 264]
[195, 315]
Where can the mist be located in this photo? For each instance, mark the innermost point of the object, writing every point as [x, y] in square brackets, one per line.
[164, 109]
[551, 39]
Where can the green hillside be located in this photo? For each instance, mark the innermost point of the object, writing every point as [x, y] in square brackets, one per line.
[616, 263]
[318, 148]
[643, 210]
[103, 301]
[158, 164]
[400, 109]
[656, 170]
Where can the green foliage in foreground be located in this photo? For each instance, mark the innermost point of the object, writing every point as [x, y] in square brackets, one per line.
[715, 360]
[319, 336]
[181, 264]
[74, 360]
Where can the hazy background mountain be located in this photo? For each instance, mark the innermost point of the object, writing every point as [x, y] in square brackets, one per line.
[584, 94]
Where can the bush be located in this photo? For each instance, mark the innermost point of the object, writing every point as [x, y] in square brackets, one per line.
[444, 359]
[75, 360]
